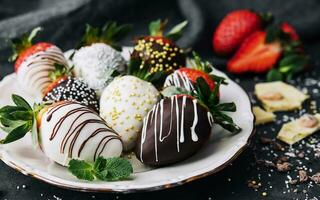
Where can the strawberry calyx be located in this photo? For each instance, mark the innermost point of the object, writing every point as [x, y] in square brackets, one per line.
[156, 78]
[59, 71]
[156, 29]
[111, 33]
[19, 119]
[19, 45]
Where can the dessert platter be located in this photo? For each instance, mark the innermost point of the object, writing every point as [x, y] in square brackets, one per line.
[119, 119]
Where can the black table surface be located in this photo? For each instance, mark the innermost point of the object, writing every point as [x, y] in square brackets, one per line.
[232, 182]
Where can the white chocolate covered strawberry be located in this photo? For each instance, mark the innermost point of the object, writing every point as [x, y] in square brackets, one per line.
[123, 105]
[64, 130]
[35, 62]
[99, 57]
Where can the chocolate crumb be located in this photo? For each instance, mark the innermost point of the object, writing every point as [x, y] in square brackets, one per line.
[316, 177]
[301, 155]
[303, 177]
[265, 140]
[283, 167]
[293, 181]
[277, 146]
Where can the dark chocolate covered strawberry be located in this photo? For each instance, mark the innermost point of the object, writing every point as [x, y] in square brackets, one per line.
[179, 125]
[35, 62]
[72, 89]
[176, 128]
[158, 51]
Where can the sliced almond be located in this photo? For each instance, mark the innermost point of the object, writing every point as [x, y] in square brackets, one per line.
[308, 121]
[274, 96]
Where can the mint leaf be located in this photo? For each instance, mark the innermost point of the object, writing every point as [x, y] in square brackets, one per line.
[115, 169]
[81, 169]
[100, 164]
[19, 101]
[106, 169]
[17, 133]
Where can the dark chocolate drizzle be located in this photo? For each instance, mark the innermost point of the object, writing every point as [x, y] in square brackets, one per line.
[76, 129]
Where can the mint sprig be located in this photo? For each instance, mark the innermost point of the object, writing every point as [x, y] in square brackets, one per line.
[105, 169]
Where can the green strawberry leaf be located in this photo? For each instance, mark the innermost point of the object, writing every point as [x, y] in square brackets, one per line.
[20, 44]
[274, 33]
[19, 101]
[110, 34]
[156, 27]
[17, 133]
[219, 79]
[59, 71]
[199, 65]
[176, 32]
[228, 107]
[81, 169]
[293, 63]
[173, 90]
[11, 109]
[8, 125]
[274, 75]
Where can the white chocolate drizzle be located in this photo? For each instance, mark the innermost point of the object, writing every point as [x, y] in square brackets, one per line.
[158, 124]
[179, 79]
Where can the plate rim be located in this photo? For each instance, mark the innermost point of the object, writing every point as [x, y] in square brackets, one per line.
[40, 177]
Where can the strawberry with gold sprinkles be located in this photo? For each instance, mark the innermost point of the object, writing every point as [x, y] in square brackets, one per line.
[158, 51]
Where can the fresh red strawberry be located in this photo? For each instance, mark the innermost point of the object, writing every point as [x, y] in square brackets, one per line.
[233, 29]
[255, 55]
[29, 51]
[287, 28]
[193, 74]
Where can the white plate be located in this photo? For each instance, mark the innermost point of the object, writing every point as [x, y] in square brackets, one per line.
[217, 154]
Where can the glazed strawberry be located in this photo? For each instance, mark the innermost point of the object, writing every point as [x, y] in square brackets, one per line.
[158, 52]
[287, 28]
[35, 62]
[255, 55]
[233, 29]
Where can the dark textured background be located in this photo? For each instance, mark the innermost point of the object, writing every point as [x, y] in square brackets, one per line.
[64, 21]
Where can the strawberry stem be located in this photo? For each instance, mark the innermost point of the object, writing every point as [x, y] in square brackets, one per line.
[20, 44]
[110, 34]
